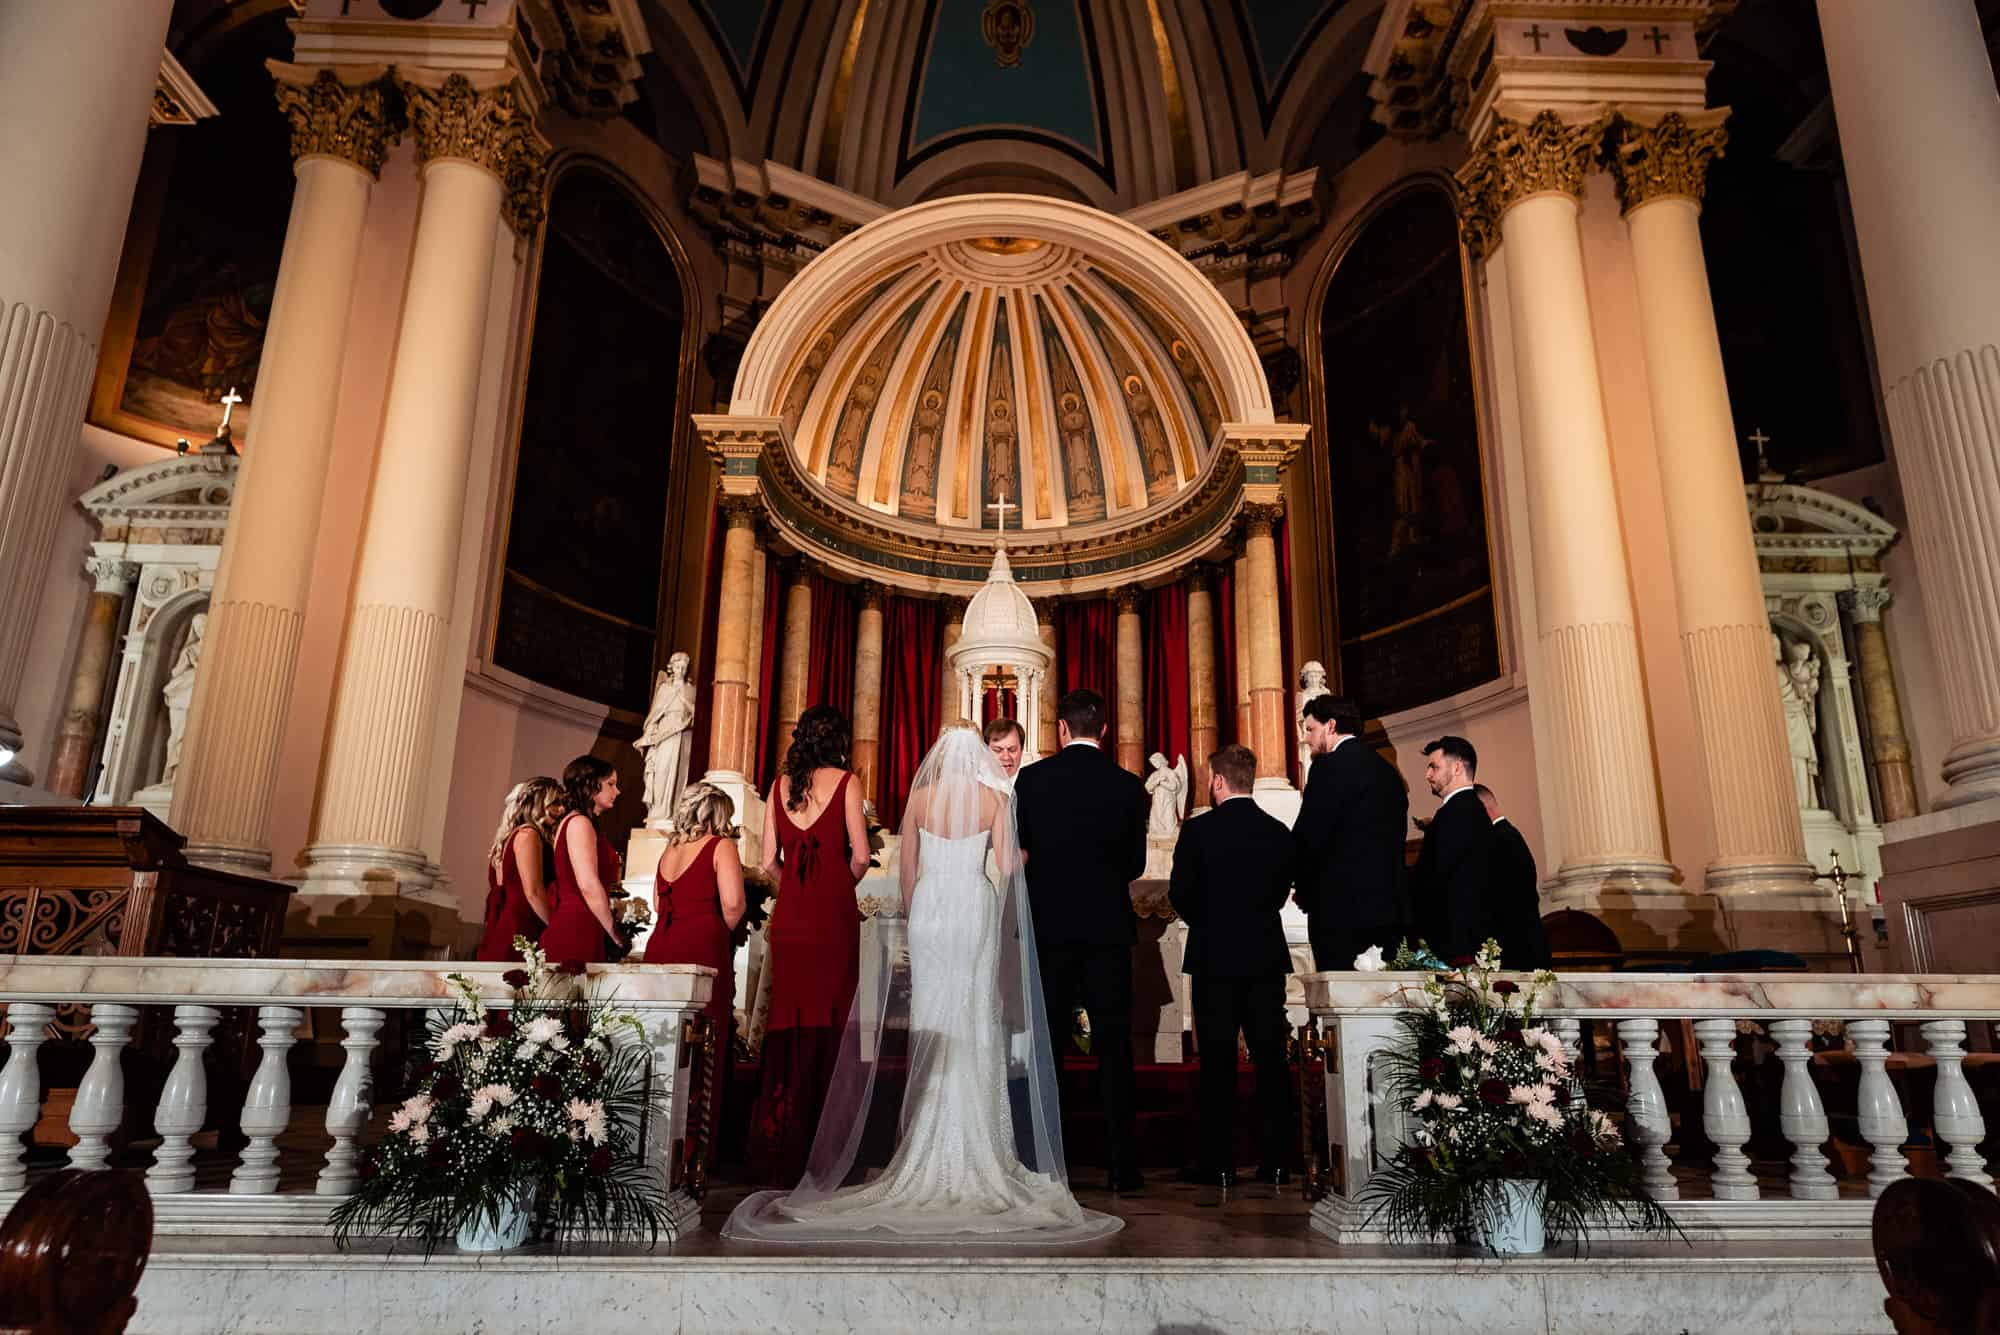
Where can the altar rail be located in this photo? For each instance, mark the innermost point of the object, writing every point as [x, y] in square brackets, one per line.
[667, 999]
[1913, 1024]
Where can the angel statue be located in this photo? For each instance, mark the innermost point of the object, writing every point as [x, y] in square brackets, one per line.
[664, 741]
[1169, 789]
[1312, 684]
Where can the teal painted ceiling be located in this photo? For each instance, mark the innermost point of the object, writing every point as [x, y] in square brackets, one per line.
[738, 22]
[1277, 27]
[964, 90]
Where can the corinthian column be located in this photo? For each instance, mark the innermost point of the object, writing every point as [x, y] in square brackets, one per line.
[868, 689]
[1888, 746]
[1201, 678]
[1529, 176]
[341, 131]
[795, 652]
[1046, 699]
[1130, 741]
[111, 582]
[730, 719]
[75, 85]
[753, 663]
[1661, 163]
[1919, 123]
[472, 137]
[951, 691]
[1239, 625]
[1269, 726]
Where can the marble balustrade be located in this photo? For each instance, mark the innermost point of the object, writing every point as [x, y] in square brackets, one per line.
[1633, 1018]
[665, 998]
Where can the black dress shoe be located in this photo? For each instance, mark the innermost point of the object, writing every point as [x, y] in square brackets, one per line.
[1125, 1180]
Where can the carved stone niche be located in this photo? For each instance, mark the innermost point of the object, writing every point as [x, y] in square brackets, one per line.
[164, 523]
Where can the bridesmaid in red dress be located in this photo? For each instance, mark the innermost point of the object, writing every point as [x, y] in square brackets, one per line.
[581, 929]
[817, 842]
[517, 896]
[697, 902]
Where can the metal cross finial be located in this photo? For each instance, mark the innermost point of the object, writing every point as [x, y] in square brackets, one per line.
[1760, 440]
[229, 402]
[1002, 506]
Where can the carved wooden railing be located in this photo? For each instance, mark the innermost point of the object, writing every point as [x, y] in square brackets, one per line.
[667, 999]
[1777, 1049]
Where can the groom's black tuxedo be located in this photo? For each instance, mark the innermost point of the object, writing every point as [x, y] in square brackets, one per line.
[1349, 834]
[1082, 824]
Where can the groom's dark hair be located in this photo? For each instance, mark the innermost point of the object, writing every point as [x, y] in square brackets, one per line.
[1083, 710]
[1341, 712]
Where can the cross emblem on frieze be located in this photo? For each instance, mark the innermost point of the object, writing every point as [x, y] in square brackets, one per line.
[1000, 508]
[472, 8]
[1658, 38]
[1537, 36]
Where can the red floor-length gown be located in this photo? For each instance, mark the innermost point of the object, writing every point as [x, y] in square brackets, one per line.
[815, 960]
[573, 935]
[508, 913]
[688, 929]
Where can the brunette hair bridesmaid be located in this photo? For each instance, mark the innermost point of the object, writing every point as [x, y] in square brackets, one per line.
[581, 928]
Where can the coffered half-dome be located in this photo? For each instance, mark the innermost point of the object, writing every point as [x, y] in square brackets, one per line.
[1003, 355]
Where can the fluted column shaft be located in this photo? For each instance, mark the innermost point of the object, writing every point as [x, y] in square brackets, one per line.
[1530, 175]
[341, 130]
[1130, 688]
[1913, 92]
[1270, 727]
[1888, 745]
[1046, 698]
[796, 651]
[730, 721]
[75, 85]
[111, 583]
[376, 773]
[1661, 163]
[1239, 618]
[1201, 680]
[868, 689]
[753, 663]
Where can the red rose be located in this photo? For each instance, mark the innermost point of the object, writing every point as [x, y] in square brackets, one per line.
[1493, 1091]
[600, 1161]
[428, 1069]
[570, 968]
[1562, 1096]
[527, 1143]
[1461, 961]
[548, 1086]
[1506, 988]
[1512, 1035]
[515, 978]
[448, 1086]
[436, 1150]
[499, 1024]
[370, 1167]
[1430, 1068]
[593, 1069]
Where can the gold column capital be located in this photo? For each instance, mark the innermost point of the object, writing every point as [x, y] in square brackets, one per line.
[489, 123]
[1127, 598]
[740, 511]
[1549, 152]
[1199, 578]
[869, 595]
[1864, 605]
[1654, 155]
[349, 112]
[1260, 517]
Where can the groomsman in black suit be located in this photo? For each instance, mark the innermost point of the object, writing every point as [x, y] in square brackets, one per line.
[1232, 871]
[1516, 892]
[1452, 890]
[1083, 829]
[1349, 837]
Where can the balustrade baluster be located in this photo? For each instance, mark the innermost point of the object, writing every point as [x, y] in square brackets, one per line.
[1724, 1114]
[348, 1112]
[183, 1103]
[1882, 1122]
[1646, 1107]
[267, 1109]
[1801, 1115]
[1571, 1033]
[100, 1097]
[1954, 1111]
[21, 1088]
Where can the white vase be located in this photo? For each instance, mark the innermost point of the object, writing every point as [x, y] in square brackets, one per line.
[1517, 1225]
[481, 1234]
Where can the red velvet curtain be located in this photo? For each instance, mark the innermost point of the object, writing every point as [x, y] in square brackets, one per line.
[1087, 632]
[764, 757]
[1225, 658]
[1166, 660]
[830, 661]
[703, 669]
[912, 666]
[1000, 704]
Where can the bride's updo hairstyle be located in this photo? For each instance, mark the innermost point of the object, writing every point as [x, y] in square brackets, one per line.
[820, 741]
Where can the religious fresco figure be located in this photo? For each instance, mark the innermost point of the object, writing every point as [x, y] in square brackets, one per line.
[1074, 420]
[921, 481]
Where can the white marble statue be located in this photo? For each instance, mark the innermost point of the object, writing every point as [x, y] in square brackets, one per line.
[1798, 688]
[1312, 682]
[664, 741]
[1169, 788]
[178, 693]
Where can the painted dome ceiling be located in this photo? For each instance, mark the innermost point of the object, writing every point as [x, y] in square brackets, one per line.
[1002, 367]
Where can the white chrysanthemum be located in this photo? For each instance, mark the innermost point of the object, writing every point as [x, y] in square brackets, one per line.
[503, 1125]
[1421, 1101]
[542, 1029]
[590, 1114]
[420, 1132]
[400, 1121]
[1462, 1039]
[1449, 1102]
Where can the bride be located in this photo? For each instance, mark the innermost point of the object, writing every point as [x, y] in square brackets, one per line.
[942, 1121]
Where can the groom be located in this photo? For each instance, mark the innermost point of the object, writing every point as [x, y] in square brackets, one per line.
[1083, 828]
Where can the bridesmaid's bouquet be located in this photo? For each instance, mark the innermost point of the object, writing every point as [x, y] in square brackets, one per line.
[533, 1109]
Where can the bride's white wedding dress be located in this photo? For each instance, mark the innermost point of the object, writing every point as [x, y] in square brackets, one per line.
[941, 1123]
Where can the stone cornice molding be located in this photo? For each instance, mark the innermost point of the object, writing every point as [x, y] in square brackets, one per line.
[351, 113]
[1664, 155]
[1526, 153]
